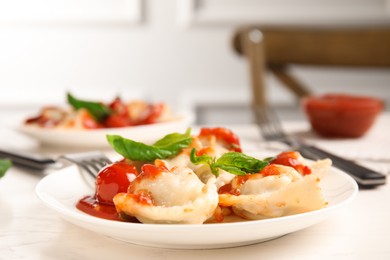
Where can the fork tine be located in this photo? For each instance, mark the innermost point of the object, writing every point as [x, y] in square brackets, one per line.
[93, 166]
[269, 124]
[92, 171]
[277, 126]
[101, 162]
[105, 161]
[263, 121]
[90, 162]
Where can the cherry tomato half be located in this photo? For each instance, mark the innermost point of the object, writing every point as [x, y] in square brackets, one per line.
[113, 179]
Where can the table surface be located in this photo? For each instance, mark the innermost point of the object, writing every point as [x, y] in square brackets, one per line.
[29, 230]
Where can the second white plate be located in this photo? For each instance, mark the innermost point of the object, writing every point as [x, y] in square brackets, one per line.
[96, 138]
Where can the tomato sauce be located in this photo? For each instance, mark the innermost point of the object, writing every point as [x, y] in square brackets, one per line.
[289, 158]
[91, 206]
[270, 170]
[144, 198]
[225, 135]
[342, 115]
[115, 178]
[234, 188]
[112, 179]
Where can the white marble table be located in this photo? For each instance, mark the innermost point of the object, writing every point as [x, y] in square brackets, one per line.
[29, 230]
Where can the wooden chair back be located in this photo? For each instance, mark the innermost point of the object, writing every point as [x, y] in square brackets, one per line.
[274, 49]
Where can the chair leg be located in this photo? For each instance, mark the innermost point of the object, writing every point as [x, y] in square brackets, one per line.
[253, 48]
[290, 81]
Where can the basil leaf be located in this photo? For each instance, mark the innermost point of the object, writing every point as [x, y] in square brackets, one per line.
[232, 162]
[5, 164]
[204, 159]
[98, 110]
[171, 139]
[231, 169]
[240, 164]
[168, 146]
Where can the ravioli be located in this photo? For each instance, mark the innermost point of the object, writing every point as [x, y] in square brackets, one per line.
[208, 179]
[277, 195]
[176, 196]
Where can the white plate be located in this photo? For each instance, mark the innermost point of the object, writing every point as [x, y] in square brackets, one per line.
[54, 190]
[96, 138]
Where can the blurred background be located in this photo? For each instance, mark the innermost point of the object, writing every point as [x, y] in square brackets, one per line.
[177, 51]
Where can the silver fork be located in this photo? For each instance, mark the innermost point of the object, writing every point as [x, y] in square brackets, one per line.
[270, 127]
[272, 130]
[88, 162]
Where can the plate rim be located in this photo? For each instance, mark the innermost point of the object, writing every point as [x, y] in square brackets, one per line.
[187, 118]
[73, 216]
[96, 138]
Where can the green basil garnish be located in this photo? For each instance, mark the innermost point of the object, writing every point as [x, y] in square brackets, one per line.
[5, 164]
[204, 159]
[233, 162]
[239, 163]
[98, 110]
[170, 145]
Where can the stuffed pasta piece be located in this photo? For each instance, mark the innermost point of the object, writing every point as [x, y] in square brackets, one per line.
[162, 195]
[185, 179]
[174, 190]
[289, 185]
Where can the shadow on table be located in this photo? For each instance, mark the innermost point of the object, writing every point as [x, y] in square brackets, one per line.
[76, 243]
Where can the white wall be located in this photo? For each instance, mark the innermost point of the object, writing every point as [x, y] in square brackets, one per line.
[177, 49]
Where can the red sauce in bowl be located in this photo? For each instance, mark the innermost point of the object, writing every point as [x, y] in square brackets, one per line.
[342, 115]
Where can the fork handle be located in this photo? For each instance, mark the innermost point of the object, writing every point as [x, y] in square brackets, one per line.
[34, 161]
[362, 175]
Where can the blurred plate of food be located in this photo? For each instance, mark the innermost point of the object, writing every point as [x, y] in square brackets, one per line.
[86, 123]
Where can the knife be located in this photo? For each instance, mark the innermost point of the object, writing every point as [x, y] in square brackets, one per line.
[34, 161]
[271, 130]
[362, 175]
